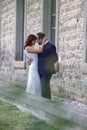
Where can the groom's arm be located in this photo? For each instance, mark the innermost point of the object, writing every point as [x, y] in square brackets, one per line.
[29, 60]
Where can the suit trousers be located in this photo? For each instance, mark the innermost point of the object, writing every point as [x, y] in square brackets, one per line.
[45, 86]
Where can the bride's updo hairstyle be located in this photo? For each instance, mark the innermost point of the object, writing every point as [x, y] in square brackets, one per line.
[29, 39]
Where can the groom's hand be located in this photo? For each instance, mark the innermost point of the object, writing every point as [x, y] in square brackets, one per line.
[29, 60]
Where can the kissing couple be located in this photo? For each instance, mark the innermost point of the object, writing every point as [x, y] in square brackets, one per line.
[42, 56]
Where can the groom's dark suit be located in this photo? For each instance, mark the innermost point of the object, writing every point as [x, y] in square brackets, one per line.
[46, 61]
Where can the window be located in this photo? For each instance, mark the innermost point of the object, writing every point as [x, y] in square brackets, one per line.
[53, 21]
[50, 20]
[19, 30]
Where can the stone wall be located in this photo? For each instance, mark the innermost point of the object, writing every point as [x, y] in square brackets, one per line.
[70, 82]
[33, 16]
[7, 35]
[71, 35]
[71, 86]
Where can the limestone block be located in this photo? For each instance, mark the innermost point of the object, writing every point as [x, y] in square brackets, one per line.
[19, 64]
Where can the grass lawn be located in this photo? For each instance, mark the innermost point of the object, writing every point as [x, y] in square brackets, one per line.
[11, 118]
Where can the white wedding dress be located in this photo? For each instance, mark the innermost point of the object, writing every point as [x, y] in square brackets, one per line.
[33, 83]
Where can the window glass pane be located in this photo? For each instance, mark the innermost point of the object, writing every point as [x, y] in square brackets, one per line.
[53, 21]
[53, 5]
[53, 36]
[19, 30]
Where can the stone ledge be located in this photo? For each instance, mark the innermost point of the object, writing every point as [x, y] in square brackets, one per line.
[57, 114]
[19, 64]
[83, 68]
[56, 65]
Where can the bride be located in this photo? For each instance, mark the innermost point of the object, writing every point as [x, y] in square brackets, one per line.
[31, 49]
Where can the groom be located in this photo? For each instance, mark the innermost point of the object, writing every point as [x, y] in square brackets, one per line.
[46, 61]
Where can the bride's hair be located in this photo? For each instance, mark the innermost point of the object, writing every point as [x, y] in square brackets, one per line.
[29, 39]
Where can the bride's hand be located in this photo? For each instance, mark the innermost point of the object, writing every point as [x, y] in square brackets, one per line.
[44, 39]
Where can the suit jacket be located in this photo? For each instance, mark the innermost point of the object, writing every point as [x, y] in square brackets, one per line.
[46, 59]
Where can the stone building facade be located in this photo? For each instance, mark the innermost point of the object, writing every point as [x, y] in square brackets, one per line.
[64, 22]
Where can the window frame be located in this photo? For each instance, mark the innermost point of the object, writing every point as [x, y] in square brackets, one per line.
[85, 30]
[0, 29]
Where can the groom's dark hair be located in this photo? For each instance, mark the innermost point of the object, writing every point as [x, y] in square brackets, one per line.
[41, 35]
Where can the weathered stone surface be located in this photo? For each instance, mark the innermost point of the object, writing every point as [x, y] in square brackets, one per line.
[7, 47]
[71, 34]
[33, 16]
[71, 86]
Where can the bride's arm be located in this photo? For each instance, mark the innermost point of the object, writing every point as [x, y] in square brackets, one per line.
[31, 49]
[27, 57]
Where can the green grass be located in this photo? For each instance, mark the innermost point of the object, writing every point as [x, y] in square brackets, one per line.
[11, 118]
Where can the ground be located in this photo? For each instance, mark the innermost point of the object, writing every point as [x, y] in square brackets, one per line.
[11, 118]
